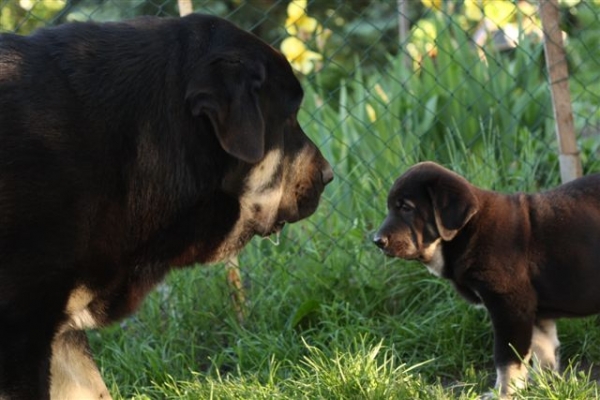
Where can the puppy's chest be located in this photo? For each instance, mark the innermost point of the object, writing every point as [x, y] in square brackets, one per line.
[439, 267]
[436, 263]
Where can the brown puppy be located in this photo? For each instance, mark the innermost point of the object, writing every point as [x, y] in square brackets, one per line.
[528, 258]
[128, 149]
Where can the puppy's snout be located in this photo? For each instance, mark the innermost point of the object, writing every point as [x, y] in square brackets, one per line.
[380, 241]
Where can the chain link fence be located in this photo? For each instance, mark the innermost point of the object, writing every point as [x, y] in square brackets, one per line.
[389, 83]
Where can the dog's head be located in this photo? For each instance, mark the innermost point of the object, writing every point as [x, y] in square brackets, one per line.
[426, 205]
[249, 95]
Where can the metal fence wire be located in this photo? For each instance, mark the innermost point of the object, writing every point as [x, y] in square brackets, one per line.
[389, 83]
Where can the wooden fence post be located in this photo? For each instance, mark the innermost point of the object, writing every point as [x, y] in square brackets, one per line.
[558, 76]
[403, 31]
[185, 7]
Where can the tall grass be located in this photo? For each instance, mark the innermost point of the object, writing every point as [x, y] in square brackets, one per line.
[328, 316]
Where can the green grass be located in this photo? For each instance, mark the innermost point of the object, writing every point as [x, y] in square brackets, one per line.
[392, 332]
[327, 315]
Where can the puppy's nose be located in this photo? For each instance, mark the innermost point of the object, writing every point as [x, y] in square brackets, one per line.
[327, 174]
[380, 241]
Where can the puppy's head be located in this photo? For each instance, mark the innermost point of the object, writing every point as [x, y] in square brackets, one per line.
[426, 205]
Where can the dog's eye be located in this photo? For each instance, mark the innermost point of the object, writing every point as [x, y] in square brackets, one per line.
[404, 206]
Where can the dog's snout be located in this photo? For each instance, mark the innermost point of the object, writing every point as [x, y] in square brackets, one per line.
[380, 241]
[327, 174]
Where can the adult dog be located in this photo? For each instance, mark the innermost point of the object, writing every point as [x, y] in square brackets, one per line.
[127, 149]
[528, 258]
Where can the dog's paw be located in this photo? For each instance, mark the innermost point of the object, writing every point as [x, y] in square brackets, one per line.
[494, 395]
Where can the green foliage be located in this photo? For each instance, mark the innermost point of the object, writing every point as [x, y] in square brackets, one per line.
[573, 384]
[328, 316]
[26, 15]
[583, 27]
[457, 93]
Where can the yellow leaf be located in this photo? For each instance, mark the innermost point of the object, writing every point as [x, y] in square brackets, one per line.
[424, 30]
[298, 55]
[371, 113]
[380, 92]
[302, 25]
[290, 26]
[54, 5]
[26, 4]
[292, 48]
[474, 10]
[296, 9]
[433, 4]
[500, 12]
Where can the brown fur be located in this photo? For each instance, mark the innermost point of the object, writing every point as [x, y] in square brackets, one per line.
[528, 258]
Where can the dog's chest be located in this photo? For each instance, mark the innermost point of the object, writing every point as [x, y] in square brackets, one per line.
[86, 309]
[436, 263]
[79, 314]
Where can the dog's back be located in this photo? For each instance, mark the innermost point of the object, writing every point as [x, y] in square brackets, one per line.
[565, 225]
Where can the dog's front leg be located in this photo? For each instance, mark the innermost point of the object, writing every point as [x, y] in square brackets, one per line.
[74, 374]
[513, 317]
[24, 355]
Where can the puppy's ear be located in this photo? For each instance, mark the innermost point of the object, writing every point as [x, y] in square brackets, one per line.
[226, 90]
[454, 203]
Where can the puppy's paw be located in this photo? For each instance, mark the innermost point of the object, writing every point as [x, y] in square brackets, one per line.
[494, 395]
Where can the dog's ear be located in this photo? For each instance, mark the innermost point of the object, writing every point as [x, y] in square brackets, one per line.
[226, 90]
[454, 203]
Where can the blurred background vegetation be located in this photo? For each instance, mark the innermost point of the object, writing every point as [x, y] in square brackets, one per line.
[431, 67]
[387, 83]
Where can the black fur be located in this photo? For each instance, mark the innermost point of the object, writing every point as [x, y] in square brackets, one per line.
[124, 151]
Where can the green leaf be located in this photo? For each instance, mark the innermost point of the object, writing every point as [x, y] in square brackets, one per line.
[304, 311]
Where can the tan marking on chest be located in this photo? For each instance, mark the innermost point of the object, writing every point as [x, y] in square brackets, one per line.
[77, 309]
[433, 253]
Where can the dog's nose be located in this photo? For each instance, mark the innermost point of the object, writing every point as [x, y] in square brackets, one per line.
[380, 241]
[327, 174]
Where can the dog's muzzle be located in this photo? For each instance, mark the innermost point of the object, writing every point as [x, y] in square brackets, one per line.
[380, 241]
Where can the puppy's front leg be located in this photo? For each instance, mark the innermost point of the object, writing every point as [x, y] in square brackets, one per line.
[74, 374]
[513, 318]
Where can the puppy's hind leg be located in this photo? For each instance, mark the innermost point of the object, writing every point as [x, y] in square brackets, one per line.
[545, 344]
[74, 374]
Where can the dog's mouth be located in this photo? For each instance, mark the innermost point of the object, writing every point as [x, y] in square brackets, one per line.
[388, 253]
[423, 259]
[408, 257]
[392, 253]
[276, 228]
